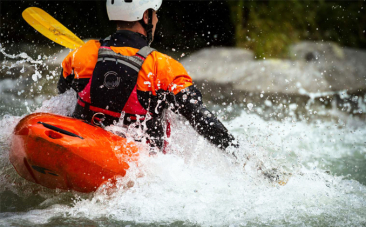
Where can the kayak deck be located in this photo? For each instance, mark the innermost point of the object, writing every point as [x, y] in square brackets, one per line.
[66, 153]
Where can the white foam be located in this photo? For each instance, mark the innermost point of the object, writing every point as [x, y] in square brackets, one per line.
[199, 184]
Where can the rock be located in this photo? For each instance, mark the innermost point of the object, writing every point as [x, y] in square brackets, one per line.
[245, 74]
[316, 51]
[351, 71]
[330, 68]
[217, 64]
[279, 76]
[342, 68]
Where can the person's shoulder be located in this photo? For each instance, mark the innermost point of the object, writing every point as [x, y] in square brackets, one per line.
[161, 55]
[88, 48]
[90, 45]
[165, 60]
[168, 65]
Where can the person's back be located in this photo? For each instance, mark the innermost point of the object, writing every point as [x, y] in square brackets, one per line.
[123, 75]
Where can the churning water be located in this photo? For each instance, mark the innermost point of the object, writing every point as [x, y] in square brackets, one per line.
[196, 184]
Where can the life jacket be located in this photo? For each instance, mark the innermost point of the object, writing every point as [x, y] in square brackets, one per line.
[112, 88]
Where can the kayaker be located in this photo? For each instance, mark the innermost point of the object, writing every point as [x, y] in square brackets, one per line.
[123, 74]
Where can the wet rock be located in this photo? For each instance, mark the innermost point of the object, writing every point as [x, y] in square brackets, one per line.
[314, 68]
[216, 64]
[246, 74]
[316, 51]
[342, 68]
[349, 73]
[279, 76]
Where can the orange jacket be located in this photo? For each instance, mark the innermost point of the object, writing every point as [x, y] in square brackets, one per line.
[158, 75]
[159, 71]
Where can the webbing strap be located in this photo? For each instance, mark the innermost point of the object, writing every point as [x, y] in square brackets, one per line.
[145, 51]
[107, 112]
[124, 62]
[106, 41]
[134, 62]
[108, 38]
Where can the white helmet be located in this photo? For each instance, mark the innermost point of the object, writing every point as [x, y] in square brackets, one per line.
[130, 10]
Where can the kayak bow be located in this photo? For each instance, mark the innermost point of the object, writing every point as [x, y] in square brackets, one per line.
[66, 153]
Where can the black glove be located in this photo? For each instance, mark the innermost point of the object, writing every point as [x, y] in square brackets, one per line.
[189, 103]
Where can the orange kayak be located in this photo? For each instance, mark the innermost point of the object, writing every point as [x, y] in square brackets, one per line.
[66, 153]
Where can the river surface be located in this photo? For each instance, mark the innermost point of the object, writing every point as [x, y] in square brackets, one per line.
[195, 184]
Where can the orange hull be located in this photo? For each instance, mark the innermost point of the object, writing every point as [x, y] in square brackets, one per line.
[66, 153]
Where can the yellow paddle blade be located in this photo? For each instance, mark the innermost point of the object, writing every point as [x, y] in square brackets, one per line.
[51, 28]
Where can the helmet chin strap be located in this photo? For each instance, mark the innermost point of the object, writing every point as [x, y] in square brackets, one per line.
[149, 26]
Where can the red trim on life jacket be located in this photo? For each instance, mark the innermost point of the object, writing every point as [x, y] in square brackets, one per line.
[133, 105]
[104, 47]
[108, 112]
[142, 58]
[97, 109]
[81, 103]
[85, 94]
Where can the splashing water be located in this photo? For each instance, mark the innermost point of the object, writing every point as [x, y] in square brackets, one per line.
[198, 184]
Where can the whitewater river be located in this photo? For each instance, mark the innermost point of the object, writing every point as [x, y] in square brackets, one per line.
[195, 184]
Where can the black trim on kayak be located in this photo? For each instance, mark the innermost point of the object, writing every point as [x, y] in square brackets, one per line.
[30, 170]
[59, 130]
[44, 170]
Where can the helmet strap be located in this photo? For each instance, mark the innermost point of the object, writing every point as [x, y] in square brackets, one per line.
[149, 26]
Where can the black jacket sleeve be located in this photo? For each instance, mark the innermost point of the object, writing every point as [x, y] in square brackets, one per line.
[64, 84]
[189, 103]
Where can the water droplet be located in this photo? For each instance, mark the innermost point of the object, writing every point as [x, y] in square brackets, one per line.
[250, 106]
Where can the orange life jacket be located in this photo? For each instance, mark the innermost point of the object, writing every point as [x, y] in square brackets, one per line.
[157, 73]
[159, 81]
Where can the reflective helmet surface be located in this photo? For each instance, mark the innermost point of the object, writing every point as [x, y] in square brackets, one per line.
[130, 10]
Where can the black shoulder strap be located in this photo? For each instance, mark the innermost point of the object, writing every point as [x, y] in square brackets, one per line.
[106, 41]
